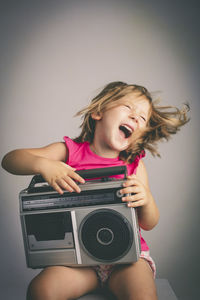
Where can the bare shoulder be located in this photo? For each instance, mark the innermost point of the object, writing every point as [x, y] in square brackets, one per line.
[54, 151]
[141, 172]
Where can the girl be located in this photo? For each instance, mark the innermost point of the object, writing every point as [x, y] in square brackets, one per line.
[119, 124]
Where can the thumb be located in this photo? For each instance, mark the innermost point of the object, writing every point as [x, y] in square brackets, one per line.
[132, 176]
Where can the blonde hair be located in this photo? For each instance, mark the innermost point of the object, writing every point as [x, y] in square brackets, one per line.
[163, 121]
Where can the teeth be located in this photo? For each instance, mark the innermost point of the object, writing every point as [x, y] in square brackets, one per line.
[128, 128]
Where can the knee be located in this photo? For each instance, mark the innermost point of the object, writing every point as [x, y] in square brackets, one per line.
[144, 295]
[39, 290]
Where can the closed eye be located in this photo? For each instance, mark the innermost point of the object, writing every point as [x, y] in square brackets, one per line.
[143, 118]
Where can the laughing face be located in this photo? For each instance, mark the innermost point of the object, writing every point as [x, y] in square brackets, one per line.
[116, 127]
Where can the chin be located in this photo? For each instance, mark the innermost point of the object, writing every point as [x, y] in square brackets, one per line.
[120, 148]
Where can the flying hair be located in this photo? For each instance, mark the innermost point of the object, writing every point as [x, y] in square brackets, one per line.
[163, 122]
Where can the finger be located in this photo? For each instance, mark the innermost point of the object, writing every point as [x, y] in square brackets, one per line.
[130, 190]
[64, 185]
[131, 176]
[69, 181]
[71, 172]
[132, 198]
[130, 182]
[76, 177]
[57, 188]
[135, 204]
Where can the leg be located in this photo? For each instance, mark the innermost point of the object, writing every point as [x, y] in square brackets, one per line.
[133, 282]
[62, 283]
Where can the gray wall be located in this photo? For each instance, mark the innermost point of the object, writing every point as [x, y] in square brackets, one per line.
[54, 56]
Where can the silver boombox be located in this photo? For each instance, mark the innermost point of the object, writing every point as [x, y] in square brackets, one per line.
[79, 229]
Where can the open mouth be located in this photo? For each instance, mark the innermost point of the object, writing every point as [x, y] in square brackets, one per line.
[126, 130]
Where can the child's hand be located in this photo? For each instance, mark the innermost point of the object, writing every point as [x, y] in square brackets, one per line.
[60, 176]
[140, 193]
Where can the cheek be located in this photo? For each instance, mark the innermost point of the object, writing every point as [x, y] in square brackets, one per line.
[143, 126]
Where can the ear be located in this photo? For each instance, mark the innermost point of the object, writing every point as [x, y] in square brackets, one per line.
[96, 116]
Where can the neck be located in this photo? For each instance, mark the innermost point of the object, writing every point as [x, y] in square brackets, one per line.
[103, 151]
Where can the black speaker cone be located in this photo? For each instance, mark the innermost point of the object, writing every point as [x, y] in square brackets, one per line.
[106, 235]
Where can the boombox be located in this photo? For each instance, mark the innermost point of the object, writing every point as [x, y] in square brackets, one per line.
[92, 227]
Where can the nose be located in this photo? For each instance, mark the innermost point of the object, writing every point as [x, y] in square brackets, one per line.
[135, 117]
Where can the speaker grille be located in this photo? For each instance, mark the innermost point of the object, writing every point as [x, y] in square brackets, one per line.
[106, 235]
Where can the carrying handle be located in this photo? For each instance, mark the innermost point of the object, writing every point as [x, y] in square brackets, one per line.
[87, 174]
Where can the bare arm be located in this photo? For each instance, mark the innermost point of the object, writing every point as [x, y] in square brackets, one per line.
[29, 161]
[47, 161]
[148, 213]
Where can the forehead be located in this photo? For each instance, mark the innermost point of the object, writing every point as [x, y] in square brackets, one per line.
[135, 99]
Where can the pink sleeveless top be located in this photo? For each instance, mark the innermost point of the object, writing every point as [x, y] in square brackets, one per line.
[81, 157]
